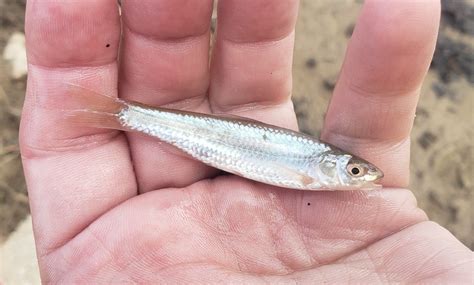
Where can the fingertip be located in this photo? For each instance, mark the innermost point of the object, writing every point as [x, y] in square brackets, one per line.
[391, 37]
[250, 21]
[193, 19]
[72, 33]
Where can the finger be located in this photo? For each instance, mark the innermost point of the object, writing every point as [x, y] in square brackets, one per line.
[165, 60]
[373, 107]
[73, 174]
[251, 64]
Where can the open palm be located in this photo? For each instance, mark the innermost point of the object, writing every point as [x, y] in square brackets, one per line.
[112, 207]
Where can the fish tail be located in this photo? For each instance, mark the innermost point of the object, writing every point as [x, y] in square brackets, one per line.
[87, 108]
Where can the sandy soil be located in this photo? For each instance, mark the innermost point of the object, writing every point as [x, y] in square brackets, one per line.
[13, 197]
[442, 141]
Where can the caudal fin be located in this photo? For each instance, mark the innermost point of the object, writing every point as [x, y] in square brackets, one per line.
[87, 108]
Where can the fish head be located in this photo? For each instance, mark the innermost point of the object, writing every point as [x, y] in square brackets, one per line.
[355, 171]
[340, 171]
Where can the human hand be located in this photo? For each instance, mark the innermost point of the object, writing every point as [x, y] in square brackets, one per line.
[112, 207]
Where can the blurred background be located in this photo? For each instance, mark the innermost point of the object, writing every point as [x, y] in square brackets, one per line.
[442, 140]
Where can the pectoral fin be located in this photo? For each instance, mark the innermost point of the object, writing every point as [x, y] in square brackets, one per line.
[294, 175]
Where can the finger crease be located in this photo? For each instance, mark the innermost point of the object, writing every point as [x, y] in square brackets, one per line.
[71, 66]
[251, 106]
[186, 40]
[381, 144]
[258, 43]
[72, 144]
[364, 92]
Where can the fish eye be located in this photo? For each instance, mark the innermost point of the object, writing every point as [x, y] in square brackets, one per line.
[355, 170]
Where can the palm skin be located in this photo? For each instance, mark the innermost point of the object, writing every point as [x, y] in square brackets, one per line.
[190, 224]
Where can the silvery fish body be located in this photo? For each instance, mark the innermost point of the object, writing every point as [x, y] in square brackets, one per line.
[241, 146]
[251, 149]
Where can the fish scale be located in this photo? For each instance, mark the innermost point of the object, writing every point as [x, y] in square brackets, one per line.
[231, 146]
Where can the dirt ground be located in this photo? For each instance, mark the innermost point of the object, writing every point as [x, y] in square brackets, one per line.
[13, 196]
[442, 141]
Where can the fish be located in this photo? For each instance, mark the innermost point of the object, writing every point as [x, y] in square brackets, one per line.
[248, 148]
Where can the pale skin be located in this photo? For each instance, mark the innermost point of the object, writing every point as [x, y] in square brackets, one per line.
[114, 207]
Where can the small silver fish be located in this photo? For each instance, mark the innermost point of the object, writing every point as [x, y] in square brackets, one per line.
[241, 146]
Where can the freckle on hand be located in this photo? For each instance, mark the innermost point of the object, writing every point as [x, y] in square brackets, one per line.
[107, 45]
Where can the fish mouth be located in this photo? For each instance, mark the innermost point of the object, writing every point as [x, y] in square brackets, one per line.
[369, 185]
[373, 181]
[374, 175]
